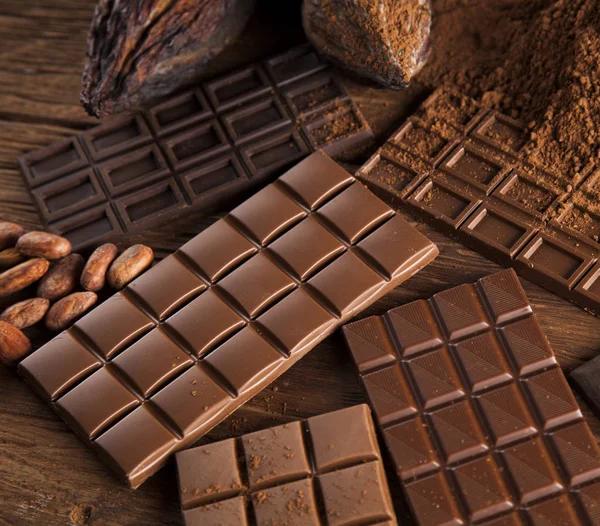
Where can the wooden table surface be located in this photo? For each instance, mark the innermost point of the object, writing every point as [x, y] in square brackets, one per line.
[47, 476]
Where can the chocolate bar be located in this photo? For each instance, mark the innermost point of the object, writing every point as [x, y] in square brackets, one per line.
[326, 470]
[475, 411]
[465, 170]
[196, 151]
[162, 362]
[586, 379]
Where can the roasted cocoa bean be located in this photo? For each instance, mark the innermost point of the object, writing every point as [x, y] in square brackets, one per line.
[65, 311]
[93, 276]
[17, 278]
[129, 265]
[14, 345]
[26, 313]
[62, 278]
[43, 245]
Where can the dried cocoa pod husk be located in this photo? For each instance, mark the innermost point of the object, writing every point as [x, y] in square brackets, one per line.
[14, 345]
[9, 233]
[140, 51]
[17, 278]
[26, 313]
[129, 265]
[9, 257]
[62, 278]
[43, 245]
[67, 310]
[93, 276]
[383, 41]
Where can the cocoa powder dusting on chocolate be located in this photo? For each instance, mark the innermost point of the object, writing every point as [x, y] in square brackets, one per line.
[534, 60]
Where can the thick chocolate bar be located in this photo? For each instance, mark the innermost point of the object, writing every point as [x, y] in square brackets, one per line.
[586, 379]
[196, 151]
[162, 362]
[465, 170]
[326, 470]
[475, 411]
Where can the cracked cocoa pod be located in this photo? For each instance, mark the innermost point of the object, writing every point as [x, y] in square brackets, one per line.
[143, 50]
[383, 41]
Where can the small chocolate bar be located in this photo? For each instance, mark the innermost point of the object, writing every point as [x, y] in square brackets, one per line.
[326, 470]
[465, 170]
[162, 362]
[475, 411]
[586, 379]
[195, 152]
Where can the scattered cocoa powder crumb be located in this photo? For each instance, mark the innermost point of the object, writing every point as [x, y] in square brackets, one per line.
[533, 60]
[260, 497]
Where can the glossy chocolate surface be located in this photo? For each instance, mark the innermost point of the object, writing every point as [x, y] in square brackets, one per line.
[196, 151]
[475, 411]
[463, 169]
[326, 470]
[160, 363]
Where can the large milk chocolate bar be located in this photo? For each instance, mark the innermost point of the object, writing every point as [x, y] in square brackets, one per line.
[162, 362]
[465, 170]
[475, 411]
[195, 152]
[324, 471]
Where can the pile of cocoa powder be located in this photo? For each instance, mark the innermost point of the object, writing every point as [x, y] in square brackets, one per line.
[535, 60]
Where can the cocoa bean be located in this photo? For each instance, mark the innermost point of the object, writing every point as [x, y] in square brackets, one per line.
[14, 345]
[43, 245]
[10, 257]
[9, 234]
[139, 51]
[17, 278]
[129, 265]
[93, 276]
[26, 313]
[67, 310]
[62, 278]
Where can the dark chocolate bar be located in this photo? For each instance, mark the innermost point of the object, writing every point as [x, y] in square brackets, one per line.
[464, 170]
[475, 411]
[162, 362]
[326, 470]
[586, 379]
[196, 151]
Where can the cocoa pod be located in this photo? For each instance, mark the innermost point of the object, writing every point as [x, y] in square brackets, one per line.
[26, 313]
[67, 310]
[140, 51]
[93, 276]
[17, 278]
[14, 345]
[10, 257]
[9, 234]
[385, 41]
[43, 245]
[62, 278]
[129, 265]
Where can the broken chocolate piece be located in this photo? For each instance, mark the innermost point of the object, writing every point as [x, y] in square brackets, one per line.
[386, 41]
[140, 51]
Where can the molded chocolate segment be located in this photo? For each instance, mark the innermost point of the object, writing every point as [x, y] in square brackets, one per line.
[69, 194]
[467, 171]
[208, 327]
[476, 414]
[197, 151]
[326, 470]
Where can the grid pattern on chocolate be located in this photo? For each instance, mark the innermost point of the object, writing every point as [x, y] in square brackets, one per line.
[322, 471]
[162, 362]
[474, 409]
[195, 151]
[465, 170]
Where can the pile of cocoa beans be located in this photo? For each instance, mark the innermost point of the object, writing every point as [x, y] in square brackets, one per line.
[61, 286]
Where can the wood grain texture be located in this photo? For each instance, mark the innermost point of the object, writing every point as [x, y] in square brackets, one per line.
[47, 476]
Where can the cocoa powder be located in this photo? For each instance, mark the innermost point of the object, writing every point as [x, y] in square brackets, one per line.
[535, 60]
